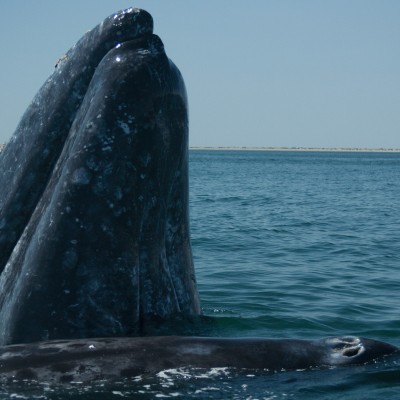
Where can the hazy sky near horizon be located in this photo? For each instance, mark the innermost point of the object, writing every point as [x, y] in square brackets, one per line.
[282, 73]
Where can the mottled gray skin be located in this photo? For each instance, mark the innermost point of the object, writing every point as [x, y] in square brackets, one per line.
[113, 359]
[28, 160]
[105, 244]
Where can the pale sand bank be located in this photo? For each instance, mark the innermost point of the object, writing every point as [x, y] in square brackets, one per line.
[337, 149]
[355, 150]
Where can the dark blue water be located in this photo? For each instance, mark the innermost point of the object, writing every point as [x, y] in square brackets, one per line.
[286, 244]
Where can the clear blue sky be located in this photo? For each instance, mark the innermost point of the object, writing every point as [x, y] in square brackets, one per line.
[308, 73]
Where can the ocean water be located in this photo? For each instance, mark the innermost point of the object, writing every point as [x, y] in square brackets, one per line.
[305, 245]
[298, 243]
[286, 245]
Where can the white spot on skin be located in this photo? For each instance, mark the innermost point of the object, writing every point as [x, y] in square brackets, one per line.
[198, 349]
[107, 143]
[104, 228]
[124, 126]
[81, 176]
[144, 52]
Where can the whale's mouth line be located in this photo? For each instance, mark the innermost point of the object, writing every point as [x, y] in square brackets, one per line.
[140, 42]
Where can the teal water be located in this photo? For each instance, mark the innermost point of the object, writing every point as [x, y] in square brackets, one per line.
[298, 244]
[289, 245]
[301, 244]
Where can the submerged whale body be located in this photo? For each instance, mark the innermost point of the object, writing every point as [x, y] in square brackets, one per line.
[116, 358]
[94, 228]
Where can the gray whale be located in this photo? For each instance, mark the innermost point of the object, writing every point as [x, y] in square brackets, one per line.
[110, 359]
[94, 227]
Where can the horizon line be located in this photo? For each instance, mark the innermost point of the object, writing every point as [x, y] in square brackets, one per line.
[271, 148]
[326, 149]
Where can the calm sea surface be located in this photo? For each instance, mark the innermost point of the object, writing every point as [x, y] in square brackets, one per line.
[289, 245]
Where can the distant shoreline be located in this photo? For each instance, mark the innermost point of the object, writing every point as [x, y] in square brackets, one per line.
[311, 149]
[315, 149]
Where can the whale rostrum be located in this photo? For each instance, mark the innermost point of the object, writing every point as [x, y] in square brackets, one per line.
[95, 229]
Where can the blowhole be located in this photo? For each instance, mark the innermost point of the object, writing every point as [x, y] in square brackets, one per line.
[351, 351]
[350, 339]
